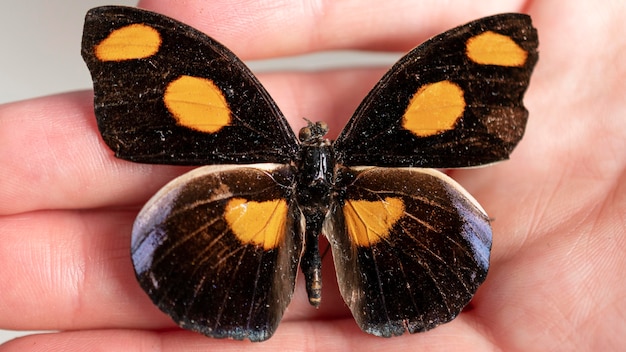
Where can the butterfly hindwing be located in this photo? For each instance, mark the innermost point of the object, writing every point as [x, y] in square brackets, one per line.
[410, 247]
[167, 93]
[217, 249]
[454, 101]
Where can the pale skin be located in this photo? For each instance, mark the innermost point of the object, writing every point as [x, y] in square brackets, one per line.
[556, 280]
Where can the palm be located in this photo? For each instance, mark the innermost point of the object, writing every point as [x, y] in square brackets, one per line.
[558, 207]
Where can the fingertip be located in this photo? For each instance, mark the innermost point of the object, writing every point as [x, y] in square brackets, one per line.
[259, 30]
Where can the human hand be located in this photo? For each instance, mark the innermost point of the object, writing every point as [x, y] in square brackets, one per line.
[67, 204]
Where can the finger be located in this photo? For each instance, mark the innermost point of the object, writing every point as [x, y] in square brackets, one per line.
[81, 173]
[72, 270]
[254, 29]
[55, 159]
[573, 152]
[320, 335]
[66, 269]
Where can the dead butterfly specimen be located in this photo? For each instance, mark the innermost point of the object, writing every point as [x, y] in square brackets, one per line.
[218, 248]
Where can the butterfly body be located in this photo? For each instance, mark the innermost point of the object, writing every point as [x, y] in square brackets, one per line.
[218, 248]
[316, 179]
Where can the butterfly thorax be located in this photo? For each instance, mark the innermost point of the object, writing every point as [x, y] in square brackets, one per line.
[316, 172]
[315, 165]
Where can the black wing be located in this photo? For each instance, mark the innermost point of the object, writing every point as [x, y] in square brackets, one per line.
[218, 248]
[167, 93]
[454, 101]
[410, 247]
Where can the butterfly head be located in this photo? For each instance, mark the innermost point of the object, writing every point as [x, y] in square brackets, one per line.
[313, 132]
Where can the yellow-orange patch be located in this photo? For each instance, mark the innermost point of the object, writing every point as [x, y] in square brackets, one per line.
[434, 108]
[490, 48]
[258, 223]
[369, 222]
[197, 103]
[135, 41]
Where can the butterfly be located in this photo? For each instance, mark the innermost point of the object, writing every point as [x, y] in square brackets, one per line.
[218, 248]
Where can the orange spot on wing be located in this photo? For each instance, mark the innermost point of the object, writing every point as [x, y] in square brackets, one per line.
[135, 41]
[258, 223]
[197, 103]
[490, 48]
[434, 108]
[369, 222]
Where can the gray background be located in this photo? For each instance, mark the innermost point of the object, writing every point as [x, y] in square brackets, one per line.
[40, 54]
[40, 47]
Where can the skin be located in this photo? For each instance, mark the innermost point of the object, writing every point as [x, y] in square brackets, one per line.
[556, 280]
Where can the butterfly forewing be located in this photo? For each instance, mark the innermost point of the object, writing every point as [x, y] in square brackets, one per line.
[167, 93]
[453, 101]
